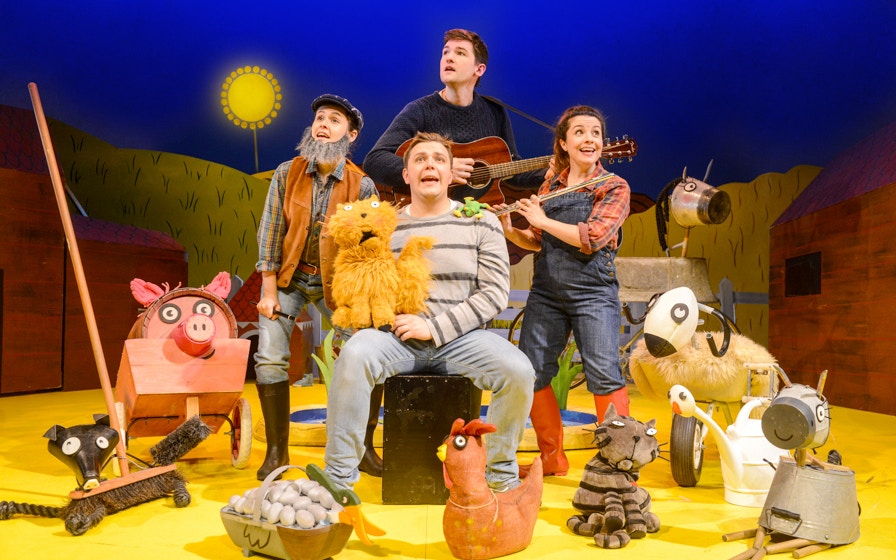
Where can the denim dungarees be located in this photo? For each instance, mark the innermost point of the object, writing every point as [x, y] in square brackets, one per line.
[577, 292]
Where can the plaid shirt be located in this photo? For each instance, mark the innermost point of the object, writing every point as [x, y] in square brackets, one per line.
[272, 228]
[611, 208]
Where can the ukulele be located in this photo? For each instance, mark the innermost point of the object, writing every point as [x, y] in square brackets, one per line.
[494, 162]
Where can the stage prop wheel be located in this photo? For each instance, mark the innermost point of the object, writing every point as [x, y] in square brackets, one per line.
[686, 450]
[241, 435]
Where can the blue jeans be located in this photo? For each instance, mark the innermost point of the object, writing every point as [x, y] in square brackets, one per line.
[272, 358]
[581, 297]
[371, 356]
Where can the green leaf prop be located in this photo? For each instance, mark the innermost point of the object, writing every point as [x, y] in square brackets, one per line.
[325, 365]
[567, 372]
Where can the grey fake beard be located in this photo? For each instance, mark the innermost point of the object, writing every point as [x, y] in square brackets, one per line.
[315, 150]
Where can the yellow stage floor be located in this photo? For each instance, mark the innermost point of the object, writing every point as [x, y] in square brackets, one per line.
[693, 519]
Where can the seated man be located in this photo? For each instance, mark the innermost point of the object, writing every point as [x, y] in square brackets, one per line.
[471, 282]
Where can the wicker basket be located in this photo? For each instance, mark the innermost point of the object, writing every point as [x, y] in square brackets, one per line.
[255, 536]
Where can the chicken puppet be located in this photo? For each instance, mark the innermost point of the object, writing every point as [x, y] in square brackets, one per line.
[371, 286]
[479, 523]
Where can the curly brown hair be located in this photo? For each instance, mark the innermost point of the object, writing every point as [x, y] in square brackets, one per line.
[561, 157]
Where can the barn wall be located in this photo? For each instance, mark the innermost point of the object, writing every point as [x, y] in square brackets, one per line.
[31, 260]
[846, 328]
[109, 269]
[44, 341]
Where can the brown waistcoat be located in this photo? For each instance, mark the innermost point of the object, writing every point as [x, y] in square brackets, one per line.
[297, 215]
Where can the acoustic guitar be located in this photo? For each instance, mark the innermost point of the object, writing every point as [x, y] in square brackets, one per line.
[493, 162]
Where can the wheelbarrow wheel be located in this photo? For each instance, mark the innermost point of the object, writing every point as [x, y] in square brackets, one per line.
[686, 450]
[241, 435]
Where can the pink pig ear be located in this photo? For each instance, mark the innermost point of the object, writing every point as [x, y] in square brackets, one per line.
[145, 292]
[220, 285]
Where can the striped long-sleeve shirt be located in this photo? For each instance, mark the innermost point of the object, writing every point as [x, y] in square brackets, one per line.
[470, 270]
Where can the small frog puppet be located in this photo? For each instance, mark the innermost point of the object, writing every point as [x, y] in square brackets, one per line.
[472, 208]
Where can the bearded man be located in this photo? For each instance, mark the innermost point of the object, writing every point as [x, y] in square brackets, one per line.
[295, 263]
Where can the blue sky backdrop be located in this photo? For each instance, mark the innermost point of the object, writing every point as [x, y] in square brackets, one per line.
[756, 86]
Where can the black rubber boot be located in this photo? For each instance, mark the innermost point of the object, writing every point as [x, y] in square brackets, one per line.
[371, 462]
[274, 398]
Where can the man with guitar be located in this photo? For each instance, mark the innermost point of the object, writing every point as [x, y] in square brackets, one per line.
[479, 127]
[480, 130]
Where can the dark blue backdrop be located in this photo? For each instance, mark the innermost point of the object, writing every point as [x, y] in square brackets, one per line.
[757, 86]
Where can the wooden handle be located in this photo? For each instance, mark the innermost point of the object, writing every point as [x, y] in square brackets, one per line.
[59, 189]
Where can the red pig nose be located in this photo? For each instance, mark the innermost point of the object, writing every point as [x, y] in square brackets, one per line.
[195, 336]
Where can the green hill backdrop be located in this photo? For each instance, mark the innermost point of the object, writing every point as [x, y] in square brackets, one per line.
[211, 209]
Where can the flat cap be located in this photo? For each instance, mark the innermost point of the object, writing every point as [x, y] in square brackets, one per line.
[352, 112]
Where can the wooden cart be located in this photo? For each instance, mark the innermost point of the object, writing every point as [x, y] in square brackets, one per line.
[182, 359]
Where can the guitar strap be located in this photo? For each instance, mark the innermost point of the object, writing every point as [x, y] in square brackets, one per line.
[518, 112]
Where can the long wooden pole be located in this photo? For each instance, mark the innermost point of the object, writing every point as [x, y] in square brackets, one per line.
[59, 188]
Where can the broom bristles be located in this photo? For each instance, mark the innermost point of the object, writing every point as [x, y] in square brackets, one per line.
[180, 442]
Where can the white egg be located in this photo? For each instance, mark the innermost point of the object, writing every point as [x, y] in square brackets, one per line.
[302, 502]
[249, 506]
[274, 493]
[326, 499]
[299, 483]
[305, 519]
[318, 512]
[273, 515]
[287, 516]
[289, 496]
[309, 485]
[238, 505]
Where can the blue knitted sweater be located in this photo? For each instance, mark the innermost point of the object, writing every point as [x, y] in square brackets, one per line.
[460, 124]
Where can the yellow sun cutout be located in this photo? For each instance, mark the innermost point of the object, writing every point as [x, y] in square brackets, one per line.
[250, 97]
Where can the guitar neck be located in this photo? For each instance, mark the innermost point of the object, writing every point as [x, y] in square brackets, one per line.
[510, 168]
[616, 149]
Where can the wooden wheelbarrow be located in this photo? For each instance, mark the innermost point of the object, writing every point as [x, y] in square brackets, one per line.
[183, 358]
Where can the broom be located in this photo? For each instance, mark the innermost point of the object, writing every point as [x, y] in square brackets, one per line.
[128, 489]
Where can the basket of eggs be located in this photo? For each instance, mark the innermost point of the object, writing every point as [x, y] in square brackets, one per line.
[290, 519]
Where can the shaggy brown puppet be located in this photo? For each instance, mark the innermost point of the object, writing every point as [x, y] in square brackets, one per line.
[370, 285]
[707, 376]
